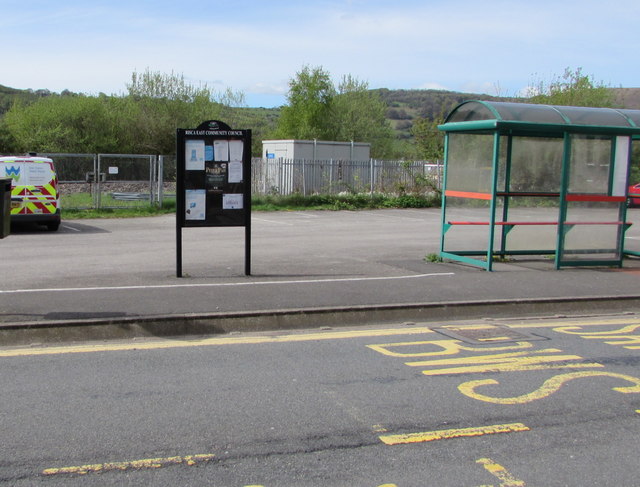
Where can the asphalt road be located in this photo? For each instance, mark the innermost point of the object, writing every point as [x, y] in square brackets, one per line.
[103, 269]
[546, 402]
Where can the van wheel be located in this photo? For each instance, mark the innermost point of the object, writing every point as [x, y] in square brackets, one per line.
[53, 227]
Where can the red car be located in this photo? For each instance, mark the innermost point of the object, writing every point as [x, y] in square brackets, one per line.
[633, 198]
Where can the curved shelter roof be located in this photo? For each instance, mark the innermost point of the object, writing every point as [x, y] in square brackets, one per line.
[478, 115]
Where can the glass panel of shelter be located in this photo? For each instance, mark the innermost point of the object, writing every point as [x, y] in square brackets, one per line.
[593, 210]
[528, 194]
[632, 242]
[467, 200]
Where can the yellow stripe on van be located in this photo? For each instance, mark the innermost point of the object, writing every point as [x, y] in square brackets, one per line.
[39, 207]
[49, 189]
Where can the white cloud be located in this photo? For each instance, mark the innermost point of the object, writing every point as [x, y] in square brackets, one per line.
[269, 89]
[484, 87]
[432, 86]
[528, 91]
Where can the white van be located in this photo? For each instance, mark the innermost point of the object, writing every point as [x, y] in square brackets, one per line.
[34, 189]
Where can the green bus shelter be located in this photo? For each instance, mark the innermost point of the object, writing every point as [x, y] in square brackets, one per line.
[523, 179]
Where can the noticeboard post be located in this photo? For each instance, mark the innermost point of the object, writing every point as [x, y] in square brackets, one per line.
[213, 181]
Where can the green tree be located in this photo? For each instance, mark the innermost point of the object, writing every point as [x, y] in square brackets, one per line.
[318, 110]
[8, 143]
[65, 124]
[160, 103]
[573, 88]
[358, 114]
[154, 84]
[308, 113]
[428, 139]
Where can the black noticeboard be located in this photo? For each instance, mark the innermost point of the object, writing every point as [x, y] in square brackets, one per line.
[213, 181]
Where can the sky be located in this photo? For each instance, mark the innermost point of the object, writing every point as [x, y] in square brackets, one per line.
[256, 47]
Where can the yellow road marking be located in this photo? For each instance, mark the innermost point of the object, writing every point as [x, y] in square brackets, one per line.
[502, 362]
[448, 347]
[576, 330]
[620, 340]
[378, 428]
[206, 342]
[629, 320]
[501, 473]
[549, 387]
[452, 433]
[135, 464]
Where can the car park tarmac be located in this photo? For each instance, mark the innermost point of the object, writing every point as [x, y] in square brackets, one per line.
[104, 278]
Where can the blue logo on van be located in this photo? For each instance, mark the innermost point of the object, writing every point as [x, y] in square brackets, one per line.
[13, 172]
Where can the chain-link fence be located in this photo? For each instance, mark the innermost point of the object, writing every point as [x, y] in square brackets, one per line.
[106, 180]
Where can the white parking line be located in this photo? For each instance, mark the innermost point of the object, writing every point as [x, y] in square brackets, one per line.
[307, 214]
[68, 227]
[224, 284]
[271, 221]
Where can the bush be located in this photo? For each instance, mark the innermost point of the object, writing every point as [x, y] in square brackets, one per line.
[342, 202]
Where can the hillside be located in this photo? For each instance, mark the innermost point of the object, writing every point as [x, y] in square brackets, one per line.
[9, 95]
[430, 103]
[407, 105]
[627, 97]
[427, 103]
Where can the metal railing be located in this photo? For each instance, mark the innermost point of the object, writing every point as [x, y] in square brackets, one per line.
[306, 177]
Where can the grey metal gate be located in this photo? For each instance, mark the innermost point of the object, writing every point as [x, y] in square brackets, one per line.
[125, 180]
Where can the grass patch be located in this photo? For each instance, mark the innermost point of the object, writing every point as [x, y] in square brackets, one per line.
[341, 202]
[294, 202]
[434, 258]
[132, 212]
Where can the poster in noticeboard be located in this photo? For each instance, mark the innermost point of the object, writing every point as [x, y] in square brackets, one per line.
[194, 153]
[195, 200]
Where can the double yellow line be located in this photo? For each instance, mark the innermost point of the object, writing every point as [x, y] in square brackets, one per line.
[452, 433]
[135, 464]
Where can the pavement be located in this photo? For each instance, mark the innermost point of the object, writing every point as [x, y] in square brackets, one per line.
[116, 278]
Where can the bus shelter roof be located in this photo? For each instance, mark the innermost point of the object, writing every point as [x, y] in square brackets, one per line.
[475, 115]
